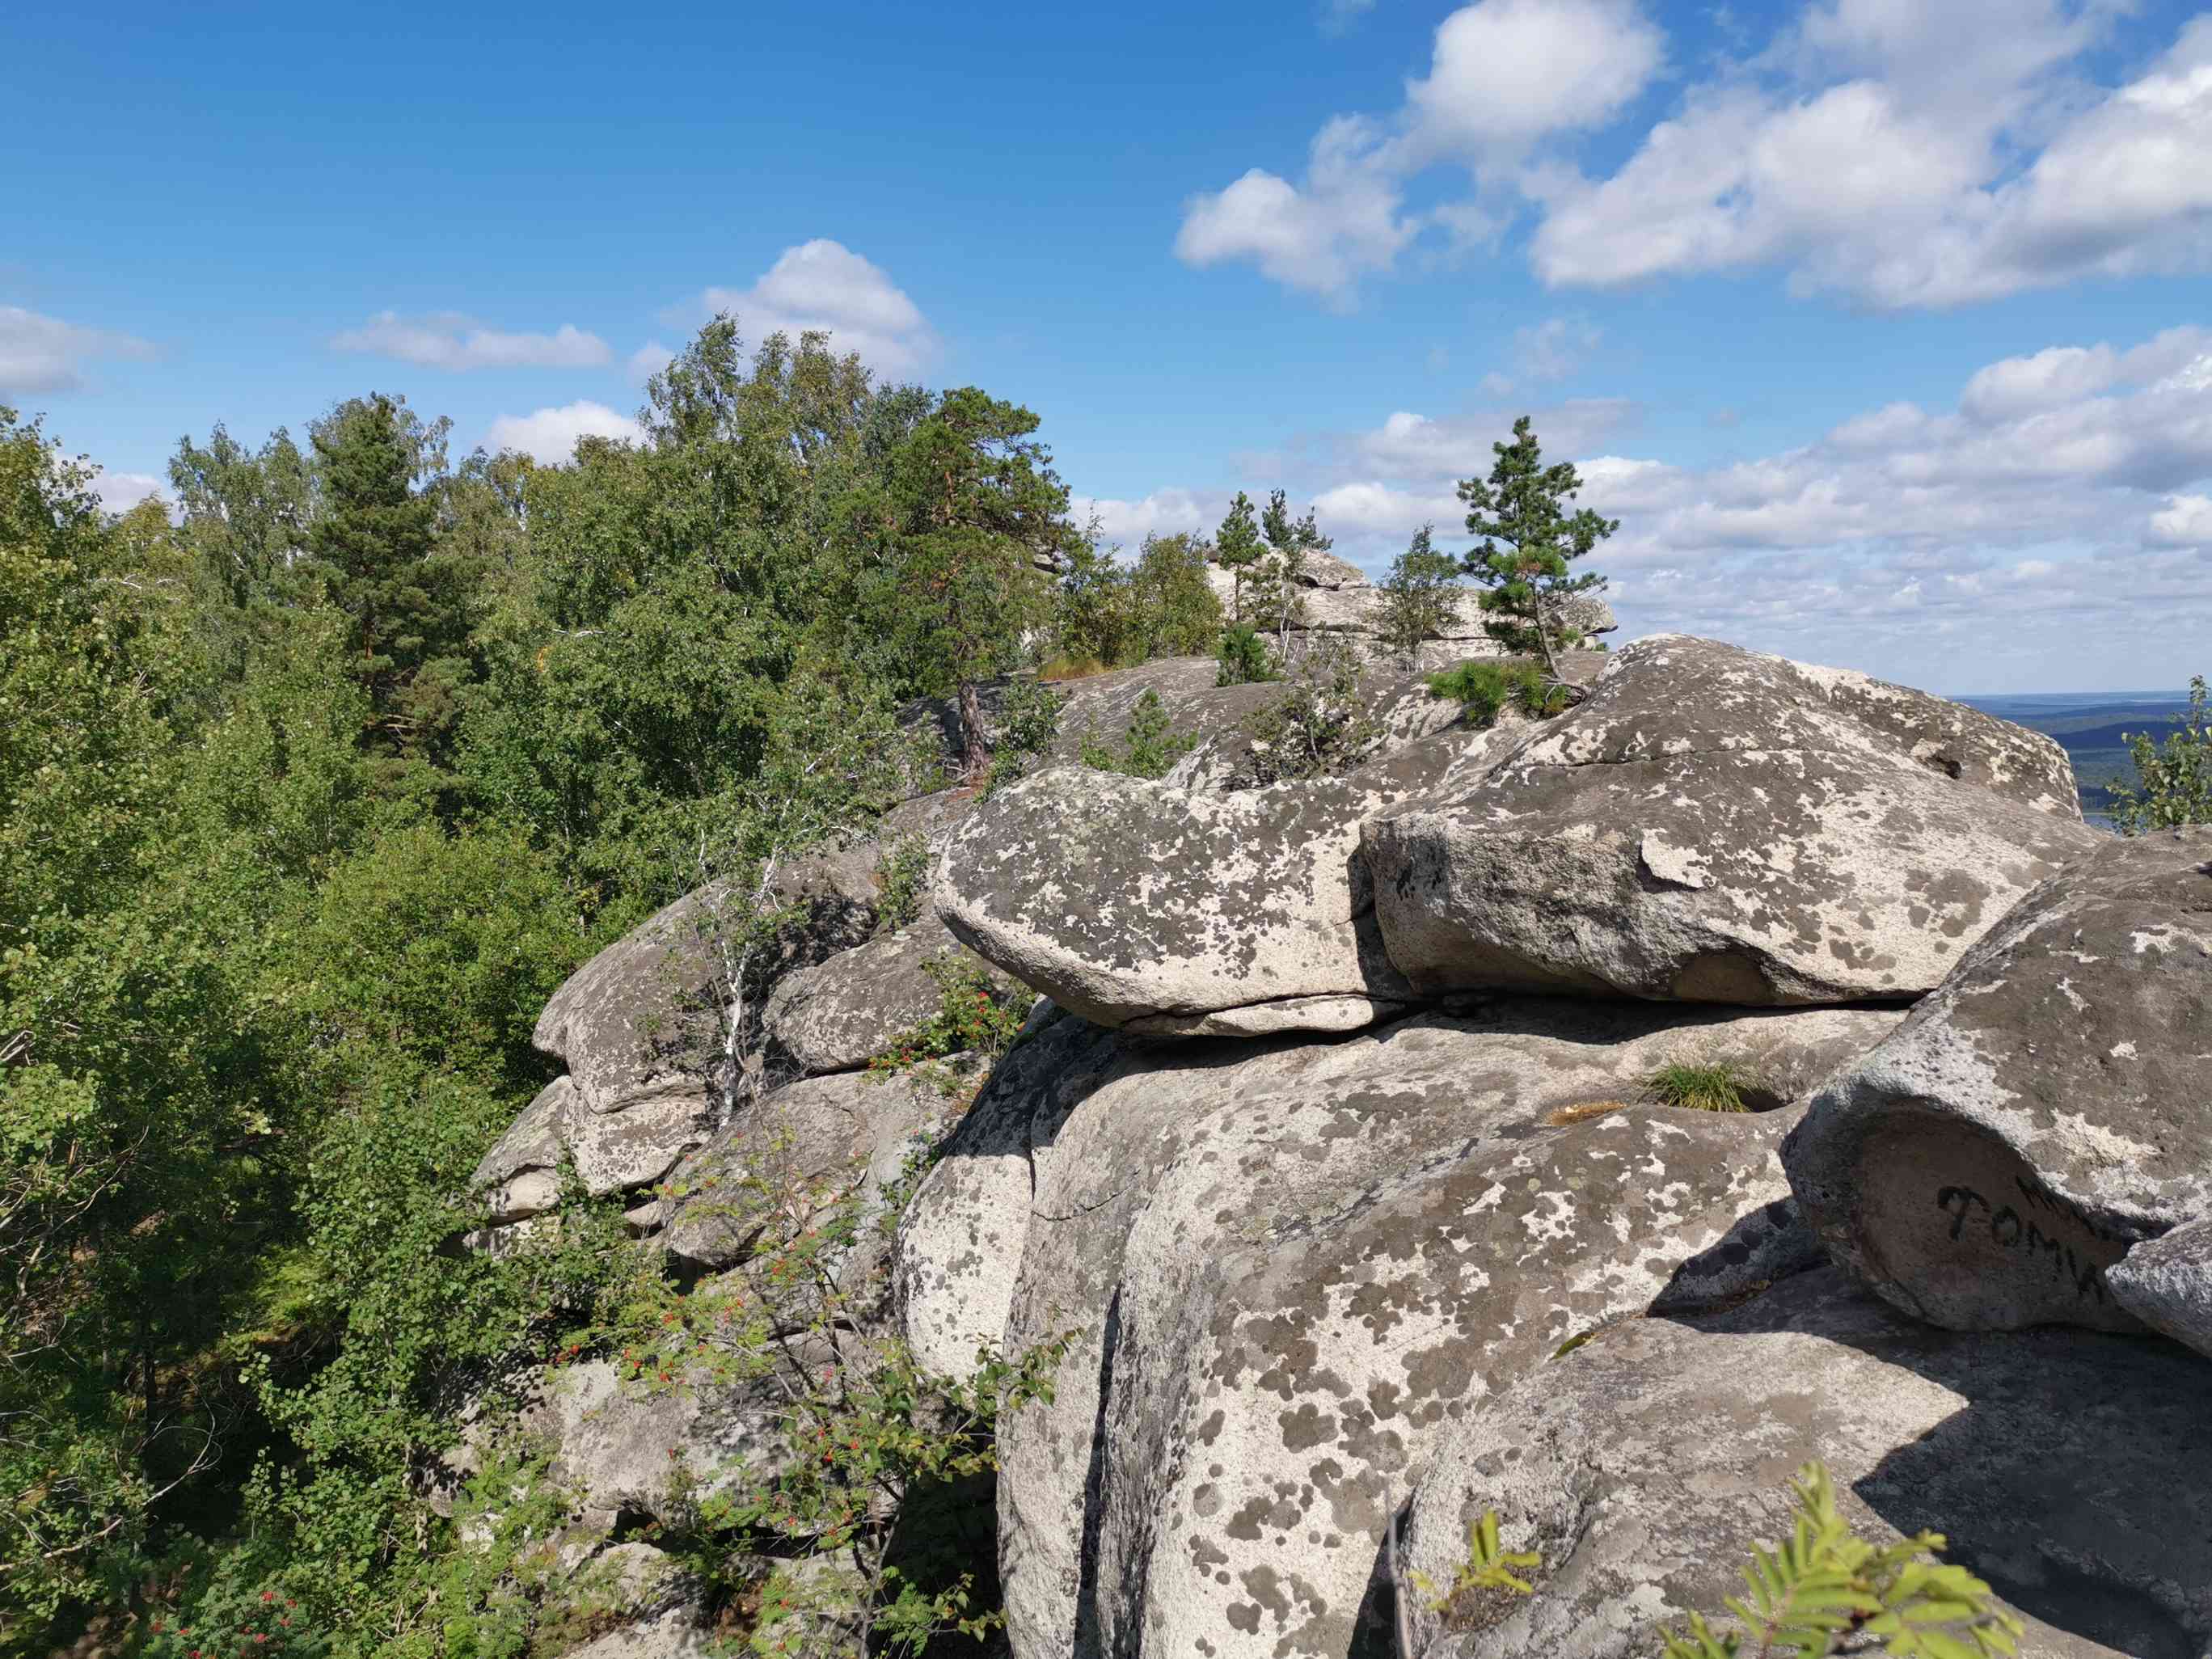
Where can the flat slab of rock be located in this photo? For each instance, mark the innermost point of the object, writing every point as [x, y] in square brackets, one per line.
[1987, 1166]
[1138, 904]
[2070, 1470]
[1290, 1265]
[1714, 825]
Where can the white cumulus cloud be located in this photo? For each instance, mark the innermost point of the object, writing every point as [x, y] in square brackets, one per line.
[2051, 526]
[1898, 154]
[548, 435]
[45, 354]
[823, 285]
[450, 340]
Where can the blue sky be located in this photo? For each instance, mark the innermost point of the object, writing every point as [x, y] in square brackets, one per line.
[1885, 326]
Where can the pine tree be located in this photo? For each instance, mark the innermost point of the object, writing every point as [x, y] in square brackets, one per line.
[978, 503]
[374, 538]
[1236, 549]
[1418, 597]
[1528, 541]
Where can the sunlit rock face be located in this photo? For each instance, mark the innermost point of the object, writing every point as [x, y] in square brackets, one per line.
[1713, 825]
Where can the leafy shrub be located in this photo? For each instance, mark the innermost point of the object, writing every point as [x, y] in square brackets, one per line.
[1243, 657]
[1485, 689]
[1710, 1086]
[2174, 780]
[1320, 728]
[1150, 748]
[1822, 1591]
[1485, 1584]
[1825, 1587]
[901, 871]
[1027, 722]
[976, 1013]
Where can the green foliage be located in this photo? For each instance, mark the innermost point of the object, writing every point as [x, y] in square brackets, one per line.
[1236, 549]
[1243, 657]
[1824, 1590]
[1319, 728]
[1483, 1584]
[1528, 541]
[1117, 615]
[1705, 1087]
[1150, 747]
[2173, 779]
[1486, 688]
[977, 1013]
[306, 803]
[1420, 597]
[1272, 596]
[1029, 720]
[901, 876]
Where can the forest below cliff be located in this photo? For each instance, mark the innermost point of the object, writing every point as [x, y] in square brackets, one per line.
[311, 793]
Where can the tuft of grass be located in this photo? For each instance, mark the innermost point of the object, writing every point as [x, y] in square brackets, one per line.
[1559, 1117]
[1713, 1086]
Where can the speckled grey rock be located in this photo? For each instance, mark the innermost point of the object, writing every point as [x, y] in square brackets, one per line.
[2073, 1471]
[520, 1176]
[2168, 1284]
[817, 1142]
[613, 1435]
[1134, 903]
[1292, 1261]
[676, 1633]
[1714, 825]
[637, 1143]
[839, 1014]
[2048, 1108]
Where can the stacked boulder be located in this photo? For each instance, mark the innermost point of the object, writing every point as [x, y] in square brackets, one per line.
[1337, 600]
[1346, 1163]
[1344, 1152]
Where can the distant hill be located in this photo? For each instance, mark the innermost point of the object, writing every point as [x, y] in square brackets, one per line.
[2092, 726]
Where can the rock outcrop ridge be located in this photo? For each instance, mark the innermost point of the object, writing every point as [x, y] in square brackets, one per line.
[1338, 1149]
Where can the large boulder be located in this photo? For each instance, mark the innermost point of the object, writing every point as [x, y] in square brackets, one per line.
[1289, 1265]
[1137, 905]
[2071, 1471]
[841, 1013]
[1336, 598]
[1714, 825]
[2047, 1110]
[613, 1152]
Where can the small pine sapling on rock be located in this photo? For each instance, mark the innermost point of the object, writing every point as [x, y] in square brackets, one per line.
[1419, 597]
[1528, 541]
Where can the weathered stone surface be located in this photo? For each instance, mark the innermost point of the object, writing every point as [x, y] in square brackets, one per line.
[1714, 825]
[1337, 597]
[960, 1240]
[521, 1176]
[637, 1143]
[676, 1633]
[839, 1014]
[1137, 905]
[1988, 1165]
[614, 1436]
[636, 1024]
[819, 1142]
[2168, 1284]
[1293, 1263]
[2072, 1471]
